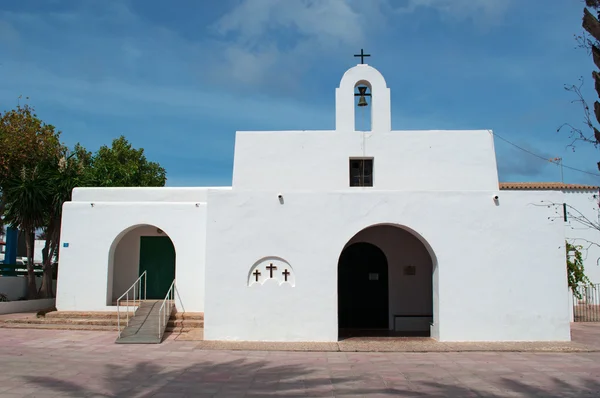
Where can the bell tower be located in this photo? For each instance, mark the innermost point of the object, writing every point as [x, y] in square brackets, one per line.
[368, 85]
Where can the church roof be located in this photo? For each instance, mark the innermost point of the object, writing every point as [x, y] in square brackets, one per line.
[546, 186]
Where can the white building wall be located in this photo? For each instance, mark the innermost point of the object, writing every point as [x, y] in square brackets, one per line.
[38, 247]
[85, 282]
[2, 245]
[380, 100]
[143, 194]
[487, 255]
[439, 184]
[15, 287]
[403, 160]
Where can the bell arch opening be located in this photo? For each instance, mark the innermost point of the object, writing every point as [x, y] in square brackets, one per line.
[387, 284]
[363, 106]
[135, 250]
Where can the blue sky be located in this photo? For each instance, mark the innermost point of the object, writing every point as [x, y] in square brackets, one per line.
[179, 78]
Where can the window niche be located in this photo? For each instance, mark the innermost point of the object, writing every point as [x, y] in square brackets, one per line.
[361, 172]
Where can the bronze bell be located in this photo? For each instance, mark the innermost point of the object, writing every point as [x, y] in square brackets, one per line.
[362, 101]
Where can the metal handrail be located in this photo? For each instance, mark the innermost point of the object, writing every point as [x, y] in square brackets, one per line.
[163, 315]
[138, 283]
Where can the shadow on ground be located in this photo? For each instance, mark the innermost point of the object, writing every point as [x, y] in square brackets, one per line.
[260, 378]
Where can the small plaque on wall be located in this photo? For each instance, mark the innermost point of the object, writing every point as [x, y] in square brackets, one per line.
[373, 277]
[410, 270]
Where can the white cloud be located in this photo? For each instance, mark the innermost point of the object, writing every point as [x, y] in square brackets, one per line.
[485, 9]
[257, 39]
[261, 38]
[323, 21]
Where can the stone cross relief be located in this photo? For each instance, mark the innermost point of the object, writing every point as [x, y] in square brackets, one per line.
[280, 272]
[256, 273]
[271, 267]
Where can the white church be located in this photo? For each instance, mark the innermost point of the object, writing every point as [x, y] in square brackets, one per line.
[325, 234]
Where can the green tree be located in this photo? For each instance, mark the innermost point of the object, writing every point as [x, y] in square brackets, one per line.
[24, 141]
[38, 174]
[575, 270]
[66, 174]
[121, 165]
[27, 146]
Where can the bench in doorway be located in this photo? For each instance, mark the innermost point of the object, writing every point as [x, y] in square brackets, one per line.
[412, 323]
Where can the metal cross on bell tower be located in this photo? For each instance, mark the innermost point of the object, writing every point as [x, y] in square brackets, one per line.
[362, 90]
[362, 56]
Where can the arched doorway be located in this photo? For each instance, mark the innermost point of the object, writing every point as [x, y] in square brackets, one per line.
[386, 279]
[138, 249]
[362, 288]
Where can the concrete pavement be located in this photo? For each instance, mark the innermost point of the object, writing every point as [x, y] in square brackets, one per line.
[52, 363]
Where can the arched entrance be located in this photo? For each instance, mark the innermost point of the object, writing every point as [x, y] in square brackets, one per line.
[386, 275]
[138, 249]
[362, 288]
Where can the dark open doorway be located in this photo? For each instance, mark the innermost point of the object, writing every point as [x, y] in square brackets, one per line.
[362, 289]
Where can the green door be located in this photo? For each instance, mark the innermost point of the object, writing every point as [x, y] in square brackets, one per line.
[157, 258]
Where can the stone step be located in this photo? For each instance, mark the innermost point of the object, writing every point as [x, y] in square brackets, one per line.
[198, 316]
[123, 303]
[50, 326]
[188, 323]
[111, 328]
[85, 315]
[65, 321]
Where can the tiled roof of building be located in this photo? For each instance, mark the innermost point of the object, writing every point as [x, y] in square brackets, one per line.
[546, 186]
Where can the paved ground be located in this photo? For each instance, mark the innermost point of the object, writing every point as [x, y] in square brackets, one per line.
[75, 363]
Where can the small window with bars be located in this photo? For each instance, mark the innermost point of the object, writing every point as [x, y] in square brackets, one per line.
[361, 172]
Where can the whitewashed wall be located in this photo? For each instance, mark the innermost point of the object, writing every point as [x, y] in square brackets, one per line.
[143, 194]
[13, 307]
[438, 184]
[38, 246]
[92, 233]
[487, 257]
[15, 287]
[403, 160]
[380, 100]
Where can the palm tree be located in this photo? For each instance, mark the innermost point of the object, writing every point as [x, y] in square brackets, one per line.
[66, 175]
[26, 198]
